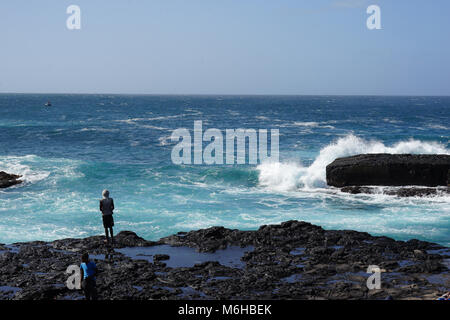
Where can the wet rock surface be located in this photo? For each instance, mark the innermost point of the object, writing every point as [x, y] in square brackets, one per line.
[292, 260]
[389, 170]
[399, 192]
[8, 180]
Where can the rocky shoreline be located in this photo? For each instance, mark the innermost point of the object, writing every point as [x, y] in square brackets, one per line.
[292, 260]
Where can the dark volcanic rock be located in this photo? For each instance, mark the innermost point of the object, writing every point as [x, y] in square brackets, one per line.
[389, 170]
[8, 180]
[161, 257]
[122, 239]
[400, 192]
[357, 189]
[292, 260]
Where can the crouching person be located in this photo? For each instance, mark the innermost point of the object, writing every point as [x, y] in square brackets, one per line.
[88, 271]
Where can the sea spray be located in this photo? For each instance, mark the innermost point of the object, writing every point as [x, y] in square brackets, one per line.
[279, 176]
[289, 175]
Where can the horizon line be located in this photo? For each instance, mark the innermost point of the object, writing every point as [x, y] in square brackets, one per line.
[232, 94]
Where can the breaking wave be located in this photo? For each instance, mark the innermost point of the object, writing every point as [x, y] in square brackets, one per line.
[33, 168]
[286, 176]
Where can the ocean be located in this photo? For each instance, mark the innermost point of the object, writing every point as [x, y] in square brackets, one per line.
[69, 152]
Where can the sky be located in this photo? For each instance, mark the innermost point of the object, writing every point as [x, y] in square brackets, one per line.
[296, 47]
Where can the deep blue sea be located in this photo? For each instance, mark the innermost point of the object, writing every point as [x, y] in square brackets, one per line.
[70, 152]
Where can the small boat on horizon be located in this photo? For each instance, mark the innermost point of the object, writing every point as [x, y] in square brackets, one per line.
[48, 104]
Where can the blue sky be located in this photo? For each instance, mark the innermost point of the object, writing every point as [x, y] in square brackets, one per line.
[226, 47]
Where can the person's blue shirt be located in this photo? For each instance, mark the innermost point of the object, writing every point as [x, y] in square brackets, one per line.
[88, 269]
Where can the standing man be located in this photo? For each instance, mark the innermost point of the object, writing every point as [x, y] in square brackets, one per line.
[107, 208]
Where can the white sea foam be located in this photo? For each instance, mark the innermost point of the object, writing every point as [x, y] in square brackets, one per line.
[33, 168]
[16, 165]
[98, 129]
[311, 125]
[160, 118]
[394, 121]
[290, 175]
[306, 124]
[165, 141]
[280, 176]
[152, 127]
[438, 126]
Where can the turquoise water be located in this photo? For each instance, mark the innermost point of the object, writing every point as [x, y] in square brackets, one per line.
[70, 152]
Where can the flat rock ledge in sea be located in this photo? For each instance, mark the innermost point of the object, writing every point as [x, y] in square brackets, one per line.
[356, 173]
[8, 180]
[292, 260]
